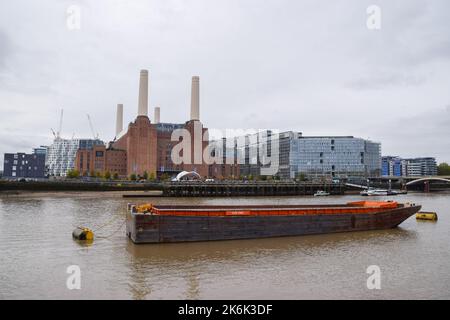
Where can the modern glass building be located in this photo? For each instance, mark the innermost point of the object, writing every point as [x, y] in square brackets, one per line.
[334, 156]
[422, 166]
[399, 167]
[61, 154]
[392, 166]
[328, 156]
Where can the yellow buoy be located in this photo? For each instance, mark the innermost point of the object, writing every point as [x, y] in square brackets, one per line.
[144, 208]
[431, 216]
[81, 233]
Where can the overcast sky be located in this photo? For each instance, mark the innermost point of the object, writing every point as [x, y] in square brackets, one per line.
[311, 66]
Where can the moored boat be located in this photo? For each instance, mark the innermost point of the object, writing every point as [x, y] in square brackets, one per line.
[382, 192]
[374, 192]
[321, 193]
[149, 223]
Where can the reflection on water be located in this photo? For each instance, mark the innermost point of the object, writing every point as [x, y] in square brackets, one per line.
[234, 251]
[37, 248]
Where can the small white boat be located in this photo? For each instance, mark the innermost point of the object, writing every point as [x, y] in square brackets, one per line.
[321, 193]
[374, 192]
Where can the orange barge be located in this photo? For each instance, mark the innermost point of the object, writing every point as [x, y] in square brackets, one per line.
[148, 223]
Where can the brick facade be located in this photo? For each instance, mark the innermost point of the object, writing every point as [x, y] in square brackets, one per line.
[140, 143]
[100, 159]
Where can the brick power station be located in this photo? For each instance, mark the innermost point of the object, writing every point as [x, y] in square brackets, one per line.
[146, 146]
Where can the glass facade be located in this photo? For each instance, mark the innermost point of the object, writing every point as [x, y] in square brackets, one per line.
[255, 152]
[61, 154]
[396, 166]
[393, 166]
[421, 166]
[333, 157]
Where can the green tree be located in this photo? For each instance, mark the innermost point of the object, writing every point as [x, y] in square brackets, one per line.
[133, 177]
[145, 176]
[107, 175]
[443, 169]
[152, 176]
[73, 173]
[164, 177]
[98, 174]
[116, 176]
[301, 176]
[92, 173]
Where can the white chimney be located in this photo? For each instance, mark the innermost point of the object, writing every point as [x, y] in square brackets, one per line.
[195, 98]
[119, 119]
[143, 94]
[157, 114]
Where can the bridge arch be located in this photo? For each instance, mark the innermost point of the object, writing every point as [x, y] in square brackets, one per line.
[427, 179]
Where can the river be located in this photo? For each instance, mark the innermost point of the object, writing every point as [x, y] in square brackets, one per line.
[36, 248]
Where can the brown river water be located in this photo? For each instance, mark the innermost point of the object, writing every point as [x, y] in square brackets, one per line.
[36, 248]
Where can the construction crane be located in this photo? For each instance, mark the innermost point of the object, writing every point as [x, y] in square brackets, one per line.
[95, 135]
[57, 134]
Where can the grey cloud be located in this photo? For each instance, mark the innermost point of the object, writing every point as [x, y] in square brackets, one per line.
[416, 135]
[381, 81]
[308, 65]
[5, 49]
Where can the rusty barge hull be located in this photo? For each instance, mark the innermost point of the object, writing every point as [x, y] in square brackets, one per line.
[239, 222]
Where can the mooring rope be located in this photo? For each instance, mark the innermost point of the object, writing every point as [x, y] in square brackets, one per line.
[114, 232]
[113, 219]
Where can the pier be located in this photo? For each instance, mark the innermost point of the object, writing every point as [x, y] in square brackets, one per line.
[227, 188]
[260, 188]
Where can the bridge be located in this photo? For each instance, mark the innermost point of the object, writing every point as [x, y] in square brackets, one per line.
[414, 182]
[427, 182]
[428, 179]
